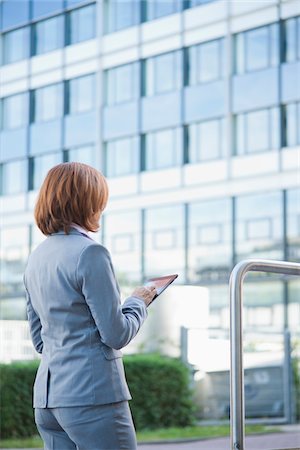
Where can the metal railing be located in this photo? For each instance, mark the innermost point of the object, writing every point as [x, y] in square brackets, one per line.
[237, 404]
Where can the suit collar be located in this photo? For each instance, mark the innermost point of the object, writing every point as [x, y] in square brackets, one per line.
[72, 231]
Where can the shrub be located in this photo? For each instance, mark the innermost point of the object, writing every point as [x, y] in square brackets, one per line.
[160, 391]
[16, 413]
[159, 387]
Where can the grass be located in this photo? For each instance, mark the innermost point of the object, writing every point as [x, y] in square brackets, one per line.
[195, 432]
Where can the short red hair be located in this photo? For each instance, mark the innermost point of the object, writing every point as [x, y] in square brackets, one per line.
[71, 192]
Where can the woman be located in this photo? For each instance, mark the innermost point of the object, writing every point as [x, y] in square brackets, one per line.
[76, 319]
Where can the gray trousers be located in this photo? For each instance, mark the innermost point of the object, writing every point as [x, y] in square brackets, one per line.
[97, 427]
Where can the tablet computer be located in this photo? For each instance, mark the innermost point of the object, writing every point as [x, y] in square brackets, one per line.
[160, 283]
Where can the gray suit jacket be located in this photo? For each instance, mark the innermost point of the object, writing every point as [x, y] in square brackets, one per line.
[77, 322]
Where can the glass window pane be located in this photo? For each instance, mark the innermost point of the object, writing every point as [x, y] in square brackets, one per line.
[125, 245]
[163, 73]
[164, 240]
[240, 53]
[257, 48]
[81, 94]
[82, 25]
[13, 257]
[163, 149]
[293, 224]
[41, 166]
[158, 8]
[259, 227]
[290, 40]
[45, 7]
[15, 111]
[258, 131]
[122, 157]
[48, 103]
[121, 14]
[84, 154]
[49, 35]
[16, 45]
[210, 235]
[209, 61]
[14, 13]
[14, 177]
[205, 140]
[122, 84]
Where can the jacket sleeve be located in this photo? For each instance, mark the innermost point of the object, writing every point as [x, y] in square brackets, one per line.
[117, 324]
[34, 324]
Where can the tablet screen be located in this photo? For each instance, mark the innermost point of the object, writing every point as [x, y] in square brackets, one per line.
[161, 283]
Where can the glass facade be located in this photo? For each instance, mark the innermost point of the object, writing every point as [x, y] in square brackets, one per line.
[158, 104]
[162, 74]
[81, 94]
[47, 103]
[48, 35]
[206, 140]
[162, 149]
[256, 49]
[206, 62]
[16, 45]
[122, 84]
[257, 131]
[15, 111]
[122, 157]
[292, 40]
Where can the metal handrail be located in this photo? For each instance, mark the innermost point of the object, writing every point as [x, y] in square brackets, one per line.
[237, 405]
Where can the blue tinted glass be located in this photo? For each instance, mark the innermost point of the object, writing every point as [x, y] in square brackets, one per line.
[84, 154]
[16, 45]
[122, 157]
[44, 7]
[14, 177]
[257, 46]
[15, 111]
[126, 14]
[293, 224]
[158, 8]
[14, 13]
[48, 103]
[81, 94]
[82, 24]
[163, 149]
[49, 35]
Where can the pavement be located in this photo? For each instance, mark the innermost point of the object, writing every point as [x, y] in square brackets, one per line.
[287, 439]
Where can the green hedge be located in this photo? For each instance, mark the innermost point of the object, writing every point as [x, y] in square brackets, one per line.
[159, 387]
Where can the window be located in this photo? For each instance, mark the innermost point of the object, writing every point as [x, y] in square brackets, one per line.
[206, 140]
[85, 154]
[14, 254]
[163, 73]
[193, 3]
[13, 177]
[15, 111]
[81, 24]
[257, 49]
[81, 94]
[292, 40]
[40, 167]
[16, 45]
[122, 157]
[257, 131]
[292, 124]
[46, 7]
[122, 84]
[164, 240]
[123, 237]
[206, 62]
[157, 8]
[48, 35]
[14, 13]
[259, 227]
[119, 14]
[163, 149]
[210, 236]
[48, 103]
[293, 224]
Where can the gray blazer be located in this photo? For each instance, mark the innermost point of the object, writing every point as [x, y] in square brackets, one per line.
[77, 322]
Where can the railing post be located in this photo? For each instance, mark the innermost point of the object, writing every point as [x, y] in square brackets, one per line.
[237, 406]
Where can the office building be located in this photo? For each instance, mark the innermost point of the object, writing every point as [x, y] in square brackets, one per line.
[190, 108]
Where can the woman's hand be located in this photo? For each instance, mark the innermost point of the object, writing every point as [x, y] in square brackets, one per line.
[145, 293]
